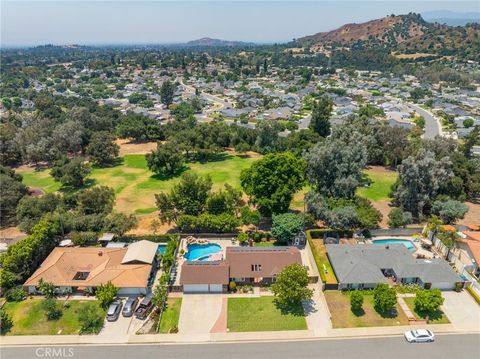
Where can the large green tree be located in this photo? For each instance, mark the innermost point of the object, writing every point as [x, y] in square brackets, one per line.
[291, 285]
[285, 226]
[428, 300]
[167, 159]
[166, 92]
[272, 181]
[322, 110]
[70, 172]
[12, 190]
[102, 148]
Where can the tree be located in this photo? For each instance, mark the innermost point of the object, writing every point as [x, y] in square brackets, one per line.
[272, 181]
[31, 209]
[399, 218]
[428, 300]
[70, 172]
[52, 309]
[12, 191]
[320, 122]
[384, 298]
[46, 288]
[342, 218]
[286, 226]
[249, 216]
[159, 296]
[291, 286]
[449, 210]
[95, 200]
[68, 137]
[167, 159]
[105, 293]
[91, 318]
[356, 301]
[6, 321]
[140, 128]
[166, 92]
[120, 223]
[225, 201]
[468, 122]
[102, 149]
[189, 196]
[419, 181]
[334, 169]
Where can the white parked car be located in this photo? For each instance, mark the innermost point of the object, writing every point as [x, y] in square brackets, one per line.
[419, 336]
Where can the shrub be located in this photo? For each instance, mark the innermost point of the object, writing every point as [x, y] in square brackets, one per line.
[90, 317]
[384, 297]
[399, 218]
[291, 286]
[47, 288]
[356, 301]
[6, 321]
[106, 293]
[83, 238]
[286, 226]
[232, 286]
[52, 309]
[16, 295]
[221, 223]
[428, 300]
[249, 216]
[242, 237]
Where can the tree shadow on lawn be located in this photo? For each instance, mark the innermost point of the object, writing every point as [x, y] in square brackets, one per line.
[358, 312]
[89, 182]
[436, 315]
[166, 177]
[290, 309]
[215, 157]
[390, 314]
[116, 162]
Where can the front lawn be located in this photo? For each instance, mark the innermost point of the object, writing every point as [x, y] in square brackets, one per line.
[437, 317]
[29, 318]
[382, 181]
[261, 314]
[342, 316]
[170, 315]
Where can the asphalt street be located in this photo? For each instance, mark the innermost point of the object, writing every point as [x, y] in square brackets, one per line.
[445, 346]
[432, 127]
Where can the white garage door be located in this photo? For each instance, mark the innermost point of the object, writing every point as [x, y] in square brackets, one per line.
[195, 288]
[216, 288]
[443, 286]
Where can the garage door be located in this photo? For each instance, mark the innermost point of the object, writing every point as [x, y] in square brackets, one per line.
[443, 286]
[195, 288]
[216, 288]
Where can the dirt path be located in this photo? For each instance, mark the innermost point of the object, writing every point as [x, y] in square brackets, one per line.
[384, 207]
[132, 148]
[472, 216]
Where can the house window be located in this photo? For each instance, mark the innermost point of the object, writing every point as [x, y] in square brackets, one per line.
[256, 267]
[81, 275]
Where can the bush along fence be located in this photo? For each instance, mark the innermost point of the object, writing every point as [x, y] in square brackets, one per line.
[315, 240]
[160, 238]
[474, 294]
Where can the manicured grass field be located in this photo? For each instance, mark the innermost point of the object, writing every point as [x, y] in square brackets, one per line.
[437, 317]
[382, 181]
[29, 318]
[135, 185]
[171, 315]
[261, 314]
[321, 252]
[343, 317]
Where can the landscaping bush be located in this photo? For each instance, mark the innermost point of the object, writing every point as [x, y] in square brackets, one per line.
[286, 226]
[169, 255]
[408, 288]
[232, 286]
[16, 295]
[399, 218]
[5, 321]
[323, 233]
[106, 293]
[242, 237]
[356, 301]
[428, 300]
[474, 294]
[221, 223]
[157, 238]
[90, 317]
[385, 298]
[249, 216]
[84, 238]
[46, 288]
[52, 309]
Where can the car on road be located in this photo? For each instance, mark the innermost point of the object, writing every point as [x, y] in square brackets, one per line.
[419, 336]
[114, 310]
[129, 307]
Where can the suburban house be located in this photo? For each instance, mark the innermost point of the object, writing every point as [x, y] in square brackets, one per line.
[363, 266]
[80, 270]
[241, 265]
[470, 251]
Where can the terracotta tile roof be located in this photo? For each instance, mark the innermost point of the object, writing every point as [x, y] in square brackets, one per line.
[99, 265]
[271, 259]
[204, 272]
[473, 243]
[473, 235]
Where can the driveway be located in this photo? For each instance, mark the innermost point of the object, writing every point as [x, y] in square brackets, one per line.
[199, 313]
[462, 310]
[122, 326]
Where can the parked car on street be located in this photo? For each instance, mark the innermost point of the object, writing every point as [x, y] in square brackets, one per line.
[114, 310]
[144, 307]
[129, 307]
[419, 336]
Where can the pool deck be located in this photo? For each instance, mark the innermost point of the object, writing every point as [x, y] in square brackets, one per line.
[416, 243]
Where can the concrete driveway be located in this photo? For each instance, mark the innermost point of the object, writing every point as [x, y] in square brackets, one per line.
[462, 310]
[199, 313]
[122, 326]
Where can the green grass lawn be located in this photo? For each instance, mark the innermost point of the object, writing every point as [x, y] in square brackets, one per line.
[29, 318]
[135, 185]
[437, 317]
[343, 317]
[261, 314]
[170, 315]
[321, 252]
[379, 189]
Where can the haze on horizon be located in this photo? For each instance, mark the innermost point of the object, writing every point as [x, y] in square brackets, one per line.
[31, 23]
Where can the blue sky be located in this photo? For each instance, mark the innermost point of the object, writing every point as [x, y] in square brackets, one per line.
[25, 23]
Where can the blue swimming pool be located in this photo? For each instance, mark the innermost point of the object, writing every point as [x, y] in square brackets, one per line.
[407, 243]
[161, 248]
[200, 252]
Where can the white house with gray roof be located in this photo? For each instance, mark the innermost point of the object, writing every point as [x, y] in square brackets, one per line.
[363, 266]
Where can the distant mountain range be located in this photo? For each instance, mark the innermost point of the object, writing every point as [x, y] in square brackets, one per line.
[452, 18]
[404, 33]
[209, 42]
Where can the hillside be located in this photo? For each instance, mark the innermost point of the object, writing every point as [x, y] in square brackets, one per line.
[403, 33]
[207, 41]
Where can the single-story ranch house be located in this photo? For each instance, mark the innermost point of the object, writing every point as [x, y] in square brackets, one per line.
[363, 266]
[241, 265]
[77, 270]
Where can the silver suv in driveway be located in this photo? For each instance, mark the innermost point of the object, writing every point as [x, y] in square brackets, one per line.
[114, 310]
[130, 306]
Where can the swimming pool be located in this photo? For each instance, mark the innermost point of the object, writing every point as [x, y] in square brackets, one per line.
[407, 243]
[161, 248]
[201, 252]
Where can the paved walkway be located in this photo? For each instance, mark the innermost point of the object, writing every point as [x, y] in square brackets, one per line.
[405, 308]
[317, 312]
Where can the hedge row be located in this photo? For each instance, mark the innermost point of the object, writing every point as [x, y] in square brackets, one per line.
[318, 262]
[322, 233]
[221, 223]
[474, 294]
[157, 238]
